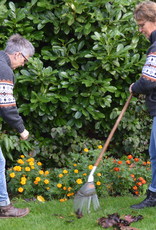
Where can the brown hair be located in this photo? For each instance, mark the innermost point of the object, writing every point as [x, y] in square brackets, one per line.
[145, 11]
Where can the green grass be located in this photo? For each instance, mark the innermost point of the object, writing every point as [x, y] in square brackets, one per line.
[54, 215]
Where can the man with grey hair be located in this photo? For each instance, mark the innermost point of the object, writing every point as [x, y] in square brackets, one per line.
[16, 54]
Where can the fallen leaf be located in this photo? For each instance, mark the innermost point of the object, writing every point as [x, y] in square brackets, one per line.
[79, 214]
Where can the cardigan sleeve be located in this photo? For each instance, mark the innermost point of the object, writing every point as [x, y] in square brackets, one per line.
[147, 81]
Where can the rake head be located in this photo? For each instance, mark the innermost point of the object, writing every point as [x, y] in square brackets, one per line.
[84, 197]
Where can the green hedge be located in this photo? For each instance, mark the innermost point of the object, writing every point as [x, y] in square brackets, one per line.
[87, 55]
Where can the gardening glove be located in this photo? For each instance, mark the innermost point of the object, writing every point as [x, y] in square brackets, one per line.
[24, 135]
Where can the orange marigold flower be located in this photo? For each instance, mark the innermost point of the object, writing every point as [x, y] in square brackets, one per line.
[139, 183]
[46, 173]
[128, 162]
[148, 162]
[136, 192]
[135, 187]
[143, 181]
[116, 169]
[130, 157]
[144, 163]
[76, 171]
[35, 182]
[136, 159]
[69, 188]
[132, 175]
[63, 200]
[140, 178]
[119, 162]
[39, 163]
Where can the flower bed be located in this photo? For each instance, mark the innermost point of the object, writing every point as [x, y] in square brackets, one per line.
[130, 174]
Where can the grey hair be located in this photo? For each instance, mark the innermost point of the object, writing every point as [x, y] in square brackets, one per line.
[145, 11]
[17, 43]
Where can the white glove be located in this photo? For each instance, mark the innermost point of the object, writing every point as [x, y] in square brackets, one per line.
[24, 135]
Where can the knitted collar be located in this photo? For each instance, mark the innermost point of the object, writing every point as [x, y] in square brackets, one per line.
[152, 37]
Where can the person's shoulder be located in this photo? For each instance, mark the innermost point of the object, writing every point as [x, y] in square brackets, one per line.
[152, 48]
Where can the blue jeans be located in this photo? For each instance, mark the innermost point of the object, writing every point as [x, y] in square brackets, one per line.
[4, 198]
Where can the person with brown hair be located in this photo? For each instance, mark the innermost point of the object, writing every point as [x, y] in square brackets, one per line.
[145, 16]
[16, 54]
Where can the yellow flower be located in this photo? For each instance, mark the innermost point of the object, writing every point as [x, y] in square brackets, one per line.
[47, 188]
[98, 174]
[76, 171]
[41, 172]
[12, 175]
[20, 161]
[98, 183]
[84, 174]
[64, 188]
[32, 167]
[65, 171]
[86, 150]
[22, 156]
[23, 182]
[60, 175]
[27, 169]
[31, 163]
[20, 189]
[39, 163]
[75, 165]
[99, 146]
[46, 181]
[23, 178]
[38, 179]
[46, 172]
[59, 185]
[30, 159]
[40, 198]
[17, 168]
[90, 167]
[79, 181]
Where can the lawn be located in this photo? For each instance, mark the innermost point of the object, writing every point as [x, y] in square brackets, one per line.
[54, 215]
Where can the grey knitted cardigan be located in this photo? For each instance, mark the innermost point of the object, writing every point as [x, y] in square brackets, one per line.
[8, 108]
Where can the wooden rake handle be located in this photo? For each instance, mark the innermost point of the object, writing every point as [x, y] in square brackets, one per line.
[113, 131]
